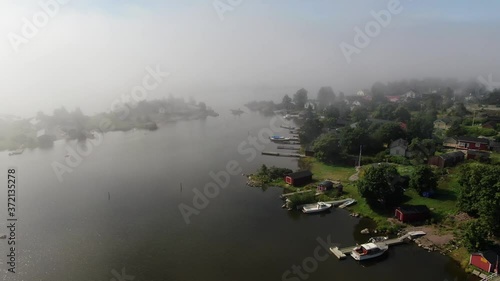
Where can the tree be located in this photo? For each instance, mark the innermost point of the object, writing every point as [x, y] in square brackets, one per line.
[402, 114]
[423, 179]
[287, 102]
[479, 193]
[359, 113]
[326, 97]
[327, 147]
[311, 129]
[381, 184]
[331, 114]
[385, 111]
[421, 149]
[300, 98]
[475, 236]
[459, 110]
[202, 106]
[456, 129]
[388, 132]
[421, 126]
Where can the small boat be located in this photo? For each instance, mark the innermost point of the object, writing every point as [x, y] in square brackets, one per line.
[369, 251]
[347, 203]
[319, 207]
[279, 138]
[377, 239]
[16, 152]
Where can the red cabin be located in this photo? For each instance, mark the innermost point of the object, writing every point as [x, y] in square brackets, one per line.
[412, 213]
[299, 178]
[487, 261]
[471, 143]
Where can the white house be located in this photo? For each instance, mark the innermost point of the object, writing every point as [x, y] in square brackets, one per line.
[398, 147]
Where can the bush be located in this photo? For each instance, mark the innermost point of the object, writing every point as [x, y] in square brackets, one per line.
[300, 199]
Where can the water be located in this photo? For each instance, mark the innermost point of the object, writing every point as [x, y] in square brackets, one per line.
[71, 231]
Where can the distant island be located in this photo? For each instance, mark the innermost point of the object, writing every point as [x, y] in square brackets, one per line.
[43, 130]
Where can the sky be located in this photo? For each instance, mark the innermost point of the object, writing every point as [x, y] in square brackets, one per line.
[89, 53]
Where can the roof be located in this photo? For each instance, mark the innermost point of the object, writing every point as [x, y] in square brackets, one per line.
[473, 139]
[300, 174]
[399, 142]
[490, 255]
[452, 155]
[326, 183]
[413, 209]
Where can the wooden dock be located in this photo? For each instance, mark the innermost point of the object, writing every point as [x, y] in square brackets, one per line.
[272, 153]
[288, 147]
[285, 195]
[341, 253]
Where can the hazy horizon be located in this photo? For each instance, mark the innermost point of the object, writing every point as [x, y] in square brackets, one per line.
[92, 52]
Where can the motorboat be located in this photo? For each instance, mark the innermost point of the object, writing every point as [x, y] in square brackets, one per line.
[348, 203]
[369, 251]
[316, 208]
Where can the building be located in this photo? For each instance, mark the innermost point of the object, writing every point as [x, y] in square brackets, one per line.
[473, 143]
[398, 147]
[299, 178]
[487, 261]
[325, 186]
[450, 142]
[413, 213]
[393, 98]
[447, 160]
[492, 124]
[443, 124]
[411, 95]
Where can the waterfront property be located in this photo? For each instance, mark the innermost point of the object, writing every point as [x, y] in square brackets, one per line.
[412, 213]
[487, 261]
[299, 178]
[468, 143]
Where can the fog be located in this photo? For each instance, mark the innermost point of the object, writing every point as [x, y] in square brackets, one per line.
[92, 52]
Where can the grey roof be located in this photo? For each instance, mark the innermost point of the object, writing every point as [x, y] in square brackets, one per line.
[473, 139]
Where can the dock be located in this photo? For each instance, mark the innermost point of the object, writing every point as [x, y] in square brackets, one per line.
[288, 147]
[341, 253]
[272, 153]
[285, 195]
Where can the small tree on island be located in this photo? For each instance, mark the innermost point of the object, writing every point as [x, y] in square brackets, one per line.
[381, 184]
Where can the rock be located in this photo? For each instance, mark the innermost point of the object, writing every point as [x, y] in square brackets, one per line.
[365, 231]
[3, 236]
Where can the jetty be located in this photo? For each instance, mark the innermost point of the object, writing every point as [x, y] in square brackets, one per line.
[341, 253]
[288, 147]
[285, 195]
[272, 153]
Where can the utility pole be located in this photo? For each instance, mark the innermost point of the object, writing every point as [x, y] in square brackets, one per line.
[359, 159]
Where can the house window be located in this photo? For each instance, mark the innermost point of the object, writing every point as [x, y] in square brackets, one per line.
[478, 144]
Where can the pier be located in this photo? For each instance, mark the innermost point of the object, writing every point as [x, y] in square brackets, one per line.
[272, 153]
[341, 253]
[288, 147]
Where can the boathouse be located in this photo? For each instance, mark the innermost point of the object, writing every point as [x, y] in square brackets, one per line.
[487, 261]
[299, 178]
[412, 213]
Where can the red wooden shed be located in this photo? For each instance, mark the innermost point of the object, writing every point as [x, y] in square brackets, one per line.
[487, 261]
[299, 178]
[412, 213]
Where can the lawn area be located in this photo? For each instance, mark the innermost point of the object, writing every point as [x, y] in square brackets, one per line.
[324, 171]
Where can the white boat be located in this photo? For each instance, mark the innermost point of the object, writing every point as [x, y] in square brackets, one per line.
[369, 251]
[16, 152]
[378, 239]
[316, 208]
[348, 203]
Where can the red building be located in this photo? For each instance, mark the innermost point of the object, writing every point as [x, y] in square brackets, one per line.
[487, 261]
[413, 213]
[299, 178]
[471, 143]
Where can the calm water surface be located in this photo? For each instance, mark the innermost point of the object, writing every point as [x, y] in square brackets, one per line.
[70, 230]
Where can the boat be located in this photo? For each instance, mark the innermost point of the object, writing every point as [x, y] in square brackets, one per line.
[319, 207]
[16, 152]
[378, 239]
[278, 138]
[348, 203]
[369, 251]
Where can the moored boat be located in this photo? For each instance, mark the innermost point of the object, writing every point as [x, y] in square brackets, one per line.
[369, 251]
[278, 138]
[378, 239]
[348, 203]
[316, 208]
